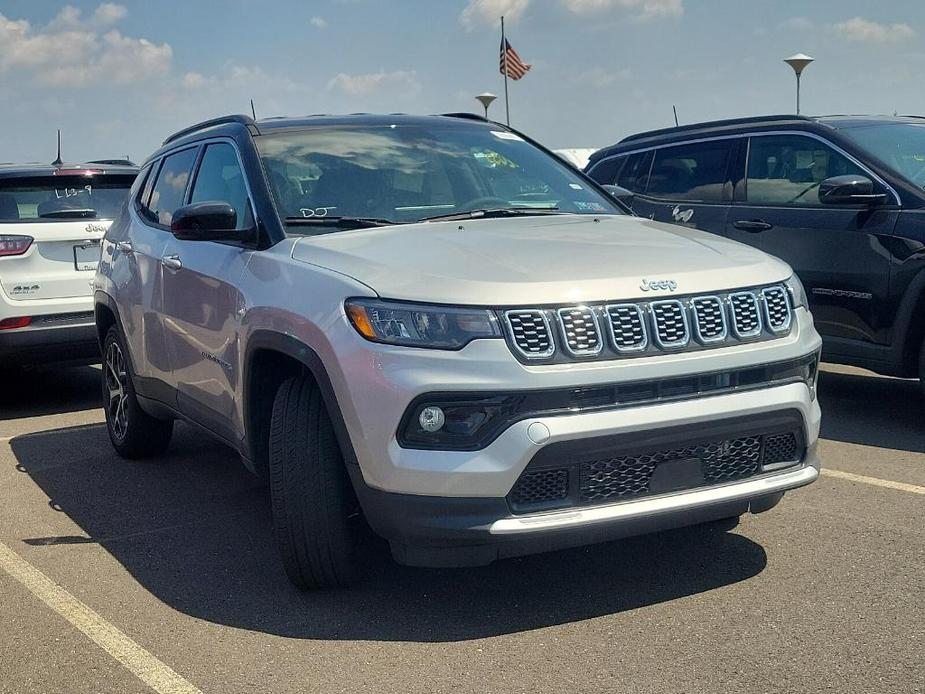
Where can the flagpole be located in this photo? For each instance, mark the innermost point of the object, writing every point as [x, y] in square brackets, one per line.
[507, 103]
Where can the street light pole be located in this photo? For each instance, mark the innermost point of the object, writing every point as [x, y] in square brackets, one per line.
[486, 99]
[798, 62]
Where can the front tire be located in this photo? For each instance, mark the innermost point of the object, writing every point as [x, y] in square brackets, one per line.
[133, 432]
[310, 491]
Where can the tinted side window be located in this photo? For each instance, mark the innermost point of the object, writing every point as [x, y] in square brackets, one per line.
[690, 172]
[170, 186]
[606, 170]
[632, 176]
[787, 169]
[220, 179]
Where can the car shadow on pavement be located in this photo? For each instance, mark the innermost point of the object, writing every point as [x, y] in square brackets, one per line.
[872, 411]
[194, 529]
[38, 392]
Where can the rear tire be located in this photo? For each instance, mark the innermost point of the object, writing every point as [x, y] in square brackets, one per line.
[310, 491]
[133, 432]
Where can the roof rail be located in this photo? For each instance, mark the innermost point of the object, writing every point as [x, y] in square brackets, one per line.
[713, 124]
[467, 116]
[235, 118]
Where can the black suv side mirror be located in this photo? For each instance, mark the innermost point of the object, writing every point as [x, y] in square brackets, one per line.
[207, 221]
[850, 189]
[620, 193]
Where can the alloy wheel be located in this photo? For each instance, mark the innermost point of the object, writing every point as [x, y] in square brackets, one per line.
[117, 390]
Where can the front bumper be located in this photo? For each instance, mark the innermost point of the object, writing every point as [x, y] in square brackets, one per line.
[450, 507]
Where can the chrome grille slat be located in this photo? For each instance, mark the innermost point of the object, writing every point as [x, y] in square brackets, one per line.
[709, 319]
[558, 334]
[579, 327]
[746, 318]
[777, 312]
[531, 334]
[627, 327]
[672, 330]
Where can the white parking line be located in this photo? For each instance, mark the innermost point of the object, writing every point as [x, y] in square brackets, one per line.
[129, 654]
[875, 481]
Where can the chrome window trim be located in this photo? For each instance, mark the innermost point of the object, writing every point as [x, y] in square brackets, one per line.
[735, 324]
[510, 329]
[642, 322]
[597, 331]
[722, 312]
[767, 313]
[748, 135]
[677, 344]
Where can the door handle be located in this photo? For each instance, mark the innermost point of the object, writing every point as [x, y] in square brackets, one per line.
[125, 246]
[752, 225]
[171, 262]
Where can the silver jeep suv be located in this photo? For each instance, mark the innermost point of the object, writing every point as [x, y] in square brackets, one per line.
[436, 325]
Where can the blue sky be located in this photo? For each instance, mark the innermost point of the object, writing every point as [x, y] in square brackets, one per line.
[118, 77]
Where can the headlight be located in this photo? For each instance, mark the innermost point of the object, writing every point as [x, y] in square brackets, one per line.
[797, 293]
[417, 325]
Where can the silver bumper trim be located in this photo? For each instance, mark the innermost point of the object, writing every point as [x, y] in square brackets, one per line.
[675, 503]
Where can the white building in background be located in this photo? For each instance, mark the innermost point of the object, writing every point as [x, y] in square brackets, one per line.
[577, 156]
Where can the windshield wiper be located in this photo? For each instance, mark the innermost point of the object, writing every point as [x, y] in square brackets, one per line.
[493, 212]
[339, 222]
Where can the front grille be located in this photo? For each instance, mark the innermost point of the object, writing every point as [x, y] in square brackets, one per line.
[776, 308]
[639, 328]
[746, 319]
[709, 319]
[579, 325]
[530, 332]
[630, 476]
[671, 329]
[538, 488]
[627, 329]
[780, 448]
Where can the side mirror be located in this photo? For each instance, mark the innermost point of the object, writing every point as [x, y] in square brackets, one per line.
[207, 221]
[849, 190]
[620, 193]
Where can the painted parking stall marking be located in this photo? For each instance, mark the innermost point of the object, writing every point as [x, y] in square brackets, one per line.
[141, 663]
[874, 481]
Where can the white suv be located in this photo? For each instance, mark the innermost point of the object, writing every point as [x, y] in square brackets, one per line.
[51, 221]
[435, 324]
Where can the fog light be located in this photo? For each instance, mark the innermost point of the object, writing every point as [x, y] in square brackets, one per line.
[431, 419]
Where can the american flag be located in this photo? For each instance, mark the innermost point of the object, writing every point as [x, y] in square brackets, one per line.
[511, 64]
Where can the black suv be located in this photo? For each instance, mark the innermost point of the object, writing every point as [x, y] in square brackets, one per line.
[840, 198]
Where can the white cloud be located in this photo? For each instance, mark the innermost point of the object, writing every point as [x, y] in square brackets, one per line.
[318, 22]
[798, 24]
[490, 11]
[92, 57]
[603, 77]
[110, 13]
[193, 80]
[362, 85]
[867, 31]
[642, 9]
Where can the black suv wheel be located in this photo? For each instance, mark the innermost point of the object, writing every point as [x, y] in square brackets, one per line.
[133, 432]
[310, 491]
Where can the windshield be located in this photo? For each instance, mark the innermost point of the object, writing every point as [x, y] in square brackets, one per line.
[408, 173]
[900, 145]
[62, 198]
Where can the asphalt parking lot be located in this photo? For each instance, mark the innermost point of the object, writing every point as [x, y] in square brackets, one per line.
[163, 576]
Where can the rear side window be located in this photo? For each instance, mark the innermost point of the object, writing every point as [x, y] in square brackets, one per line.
[787, 169]
[63, 197]
[633, 175]
[170, 187]
[690, 172]
[220, 179]
[606, 170]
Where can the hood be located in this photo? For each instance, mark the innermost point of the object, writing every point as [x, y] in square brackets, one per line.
[538, 260]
